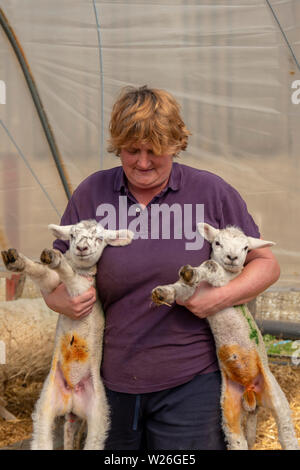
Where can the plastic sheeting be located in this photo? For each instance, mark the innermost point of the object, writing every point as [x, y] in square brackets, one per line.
[228, 65]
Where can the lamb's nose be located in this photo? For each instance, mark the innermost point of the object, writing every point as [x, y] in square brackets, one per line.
[232, 258]
[81, 248]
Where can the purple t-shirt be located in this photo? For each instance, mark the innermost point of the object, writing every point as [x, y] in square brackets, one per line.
[149, 348]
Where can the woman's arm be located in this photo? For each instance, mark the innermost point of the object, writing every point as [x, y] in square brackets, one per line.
[76, 308]
[261, 271]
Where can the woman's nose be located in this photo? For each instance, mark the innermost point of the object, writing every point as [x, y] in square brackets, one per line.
[143, 161]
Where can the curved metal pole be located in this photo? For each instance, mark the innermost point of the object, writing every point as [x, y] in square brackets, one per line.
[101, 85]
[37, 101]
[283, 34]
[29, 167]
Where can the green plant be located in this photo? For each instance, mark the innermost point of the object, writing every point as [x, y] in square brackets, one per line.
[278, 346]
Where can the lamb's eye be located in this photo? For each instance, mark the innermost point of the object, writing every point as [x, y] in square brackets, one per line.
[218, 244]
[246, 248]
[72, 237]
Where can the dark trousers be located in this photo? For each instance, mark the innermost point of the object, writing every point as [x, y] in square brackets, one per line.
[186, 417]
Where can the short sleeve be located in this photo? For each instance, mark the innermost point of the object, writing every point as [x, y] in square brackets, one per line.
[234, 212]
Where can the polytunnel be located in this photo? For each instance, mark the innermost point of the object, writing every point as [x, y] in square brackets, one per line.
[232, 66]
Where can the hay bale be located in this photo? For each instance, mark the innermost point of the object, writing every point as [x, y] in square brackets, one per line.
[30, 290]
[27, 327]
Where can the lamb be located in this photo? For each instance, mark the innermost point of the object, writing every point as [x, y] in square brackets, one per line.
[247, 381]
[73, 386]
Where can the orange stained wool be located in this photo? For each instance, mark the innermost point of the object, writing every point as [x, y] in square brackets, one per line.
[64, 395]
[232, 407]
[53, 369]
[249, 396]
[240, 365]
[73, 349]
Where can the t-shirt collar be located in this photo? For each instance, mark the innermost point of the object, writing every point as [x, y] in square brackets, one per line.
[174, 182]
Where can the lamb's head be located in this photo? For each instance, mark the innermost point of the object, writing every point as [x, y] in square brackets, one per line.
[230, 245]
[87, 240]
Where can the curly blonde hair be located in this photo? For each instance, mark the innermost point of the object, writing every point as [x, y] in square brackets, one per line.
[147, 116]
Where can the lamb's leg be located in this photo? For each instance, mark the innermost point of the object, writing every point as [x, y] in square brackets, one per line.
[245, 368]
[274, 398]
[79, 435]
[168, 293]
[97, 423]
[232, 412]
[90, 401]
[242, 372]
[190, 277]
[72, 423]
[250, 427]
[46, 279]
[55, 400]
[42, 428]
[209, 271]
[57, 262]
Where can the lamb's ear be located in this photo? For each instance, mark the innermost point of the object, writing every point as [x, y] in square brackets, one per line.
[60, 231]
[254, 243]
[207, 231]
[118, 237]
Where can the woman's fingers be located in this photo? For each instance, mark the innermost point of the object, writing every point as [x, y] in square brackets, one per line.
[73, 307]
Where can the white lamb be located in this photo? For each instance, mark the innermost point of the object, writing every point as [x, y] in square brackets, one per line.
[247, 381]
[73, 387]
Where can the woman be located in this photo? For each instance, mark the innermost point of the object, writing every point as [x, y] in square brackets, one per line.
[159, 364]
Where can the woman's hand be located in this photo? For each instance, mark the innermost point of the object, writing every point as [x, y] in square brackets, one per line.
[75, 308]
[206, 300]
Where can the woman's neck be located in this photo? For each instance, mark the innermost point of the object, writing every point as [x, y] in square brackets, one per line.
[144, 196]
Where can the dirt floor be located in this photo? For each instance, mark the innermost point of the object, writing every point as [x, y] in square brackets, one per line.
[21, 395]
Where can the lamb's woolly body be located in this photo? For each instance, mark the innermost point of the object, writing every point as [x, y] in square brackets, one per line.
[226, 331]
[73, 386]
[246, 378]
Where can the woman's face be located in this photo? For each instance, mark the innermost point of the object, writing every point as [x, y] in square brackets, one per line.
[144, 169]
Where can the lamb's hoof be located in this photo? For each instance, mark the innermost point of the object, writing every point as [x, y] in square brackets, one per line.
[12, 260]
[50, 257]
[211, 265]
[160, 296]
[157, 296]
[187, 274]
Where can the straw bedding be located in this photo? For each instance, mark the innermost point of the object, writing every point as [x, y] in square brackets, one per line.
[21, 395]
